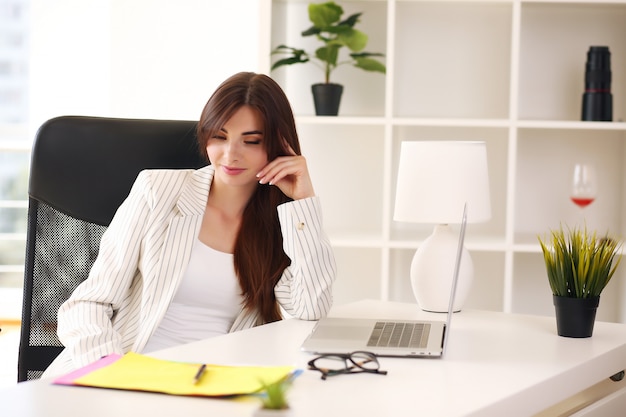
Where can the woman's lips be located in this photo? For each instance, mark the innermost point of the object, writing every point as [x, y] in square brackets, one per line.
[232, 170]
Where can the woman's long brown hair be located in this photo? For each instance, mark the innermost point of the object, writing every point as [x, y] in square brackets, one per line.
[259, 256]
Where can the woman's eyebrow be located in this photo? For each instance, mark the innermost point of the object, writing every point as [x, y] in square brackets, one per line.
[253, 132]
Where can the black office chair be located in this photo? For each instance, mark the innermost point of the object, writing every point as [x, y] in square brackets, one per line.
[82, 168]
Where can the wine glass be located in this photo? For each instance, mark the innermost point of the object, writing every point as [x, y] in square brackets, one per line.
[583, 185]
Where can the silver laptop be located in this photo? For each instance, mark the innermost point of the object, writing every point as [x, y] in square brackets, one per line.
[401, 338]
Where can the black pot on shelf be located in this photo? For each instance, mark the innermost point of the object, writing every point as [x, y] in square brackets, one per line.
[575, 317]
[327, 98]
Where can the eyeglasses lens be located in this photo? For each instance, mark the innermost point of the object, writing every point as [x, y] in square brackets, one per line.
[365, 360]
[331, 363]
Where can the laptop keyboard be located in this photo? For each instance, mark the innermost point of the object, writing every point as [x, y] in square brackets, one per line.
[395, 334]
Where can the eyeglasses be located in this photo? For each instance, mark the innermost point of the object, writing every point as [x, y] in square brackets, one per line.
[349, 363]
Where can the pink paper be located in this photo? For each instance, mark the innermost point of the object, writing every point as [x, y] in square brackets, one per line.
[69, 379]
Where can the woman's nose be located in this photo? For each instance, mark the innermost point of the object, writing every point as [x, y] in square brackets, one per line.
[232, 151]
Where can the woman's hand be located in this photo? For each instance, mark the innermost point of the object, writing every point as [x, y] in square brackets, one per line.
[290, 174]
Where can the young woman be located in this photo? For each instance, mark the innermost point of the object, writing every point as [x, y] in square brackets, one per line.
[192, 254]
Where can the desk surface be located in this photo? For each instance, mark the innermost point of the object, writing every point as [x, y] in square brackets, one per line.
[497, 364]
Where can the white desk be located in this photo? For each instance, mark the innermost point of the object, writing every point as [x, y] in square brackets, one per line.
[497, 364]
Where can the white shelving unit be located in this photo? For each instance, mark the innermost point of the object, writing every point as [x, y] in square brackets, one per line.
[508, 72]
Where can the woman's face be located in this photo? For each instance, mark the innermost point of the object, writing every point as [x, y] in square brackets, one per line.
[237, 151]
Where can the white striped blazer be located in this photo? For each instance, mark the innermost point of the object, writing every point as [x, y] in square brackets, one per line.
[143, 256]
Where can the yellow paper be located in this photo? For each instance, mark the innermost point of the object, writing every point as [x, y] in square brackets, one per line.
[143, 373]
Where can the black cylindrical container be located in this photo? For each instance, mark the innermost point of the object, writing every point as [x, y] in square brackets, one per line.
[597, 99]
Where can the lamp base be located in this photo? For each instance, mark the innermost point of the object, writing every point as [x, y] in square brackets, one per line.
[432, 271]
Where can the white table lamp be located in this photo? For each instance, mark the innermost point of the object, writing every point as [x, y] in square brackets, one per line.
[435, 180]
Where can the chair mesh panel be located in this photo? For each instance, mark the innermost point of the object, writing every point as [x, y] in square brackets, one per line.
[34, 375]
[62, 261]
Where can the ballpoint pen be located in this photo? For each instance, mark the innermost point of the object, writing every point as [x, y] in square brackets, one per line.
[199, 374]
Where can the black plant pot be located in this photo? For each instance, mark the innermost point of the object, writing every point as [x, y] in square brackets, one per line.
[575, 316]
[327, 98]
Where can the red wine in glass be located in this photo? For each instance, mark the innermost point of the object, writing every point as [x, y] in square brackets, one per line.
[583, 185]
[582, 202]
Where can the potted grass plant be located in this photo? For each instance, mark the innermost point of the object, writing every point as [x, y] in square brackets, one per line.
[334, 34]
[274, 398]
[579, 265]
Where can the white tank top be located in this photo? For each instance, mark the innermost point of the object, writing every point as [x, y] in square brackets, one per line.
[206, 303]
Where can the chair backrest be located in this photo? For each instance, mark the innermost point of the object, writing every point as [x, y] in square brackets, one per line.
[82, 168]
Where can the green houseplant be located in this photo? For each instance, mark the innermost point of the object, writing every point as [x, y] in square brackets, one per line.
[579, 265]
[334, 34]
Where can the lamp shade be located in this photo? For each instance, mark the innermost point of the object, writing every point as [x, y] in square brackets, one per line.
[436, 178]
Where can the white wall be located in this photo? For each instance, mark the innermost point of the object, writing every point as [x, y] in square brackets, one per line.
[137, 58]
